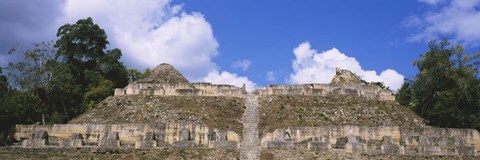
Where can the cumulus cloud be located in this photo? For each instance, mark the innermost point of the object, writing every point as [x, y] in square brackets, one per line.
[311, 66]
[459, 19]
[230, 78]
[242, 64]
[148, 32]
[154, 32]
[271, 76]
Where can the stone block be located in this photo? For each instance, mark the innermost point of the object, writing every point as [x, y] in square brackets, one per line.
[319, 146]
[34, 143]
[145, 144]
[40, 135]
[356, 147]
[374, 151]
[392, 149]
[110, 141]
[184, 144]
[232, 136]
[119, 92]
[424, 140]
[107, 143]
[223, 144]
[341, 143]
[112, 136]
[456, 141]
[71, 143]
[37, 140]
[465, 150]
[387, 140]
[185, 134]
[409, 140]
[428, 150]
[75, 141]
[149, 136]
[280, 145]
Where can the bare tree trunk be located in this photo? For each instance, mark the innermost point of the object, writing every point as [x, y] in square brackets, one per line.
[43, 113]
[64, 109]
[43, 119]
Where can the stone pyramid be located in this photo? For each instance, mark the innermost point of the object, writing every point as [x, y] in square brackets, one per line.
[165, 74]
[343, 76]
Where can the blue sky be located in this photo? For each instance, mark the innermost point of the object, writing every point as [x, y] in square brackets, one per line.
[258, 42]
[266, 32]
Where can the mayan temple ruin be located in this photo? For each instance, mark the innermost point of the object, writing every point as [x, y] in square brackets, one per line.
[164, 112]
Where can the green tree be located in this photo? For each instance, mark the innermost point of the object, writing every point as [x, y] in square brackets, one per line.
[81, 43]
[54, 82]
[15, 108]
[134, 74]
[35, 73]
[404, 94]
[446, 91]
[146, 73]
[3, 84]
[99, 92]
[82, 48]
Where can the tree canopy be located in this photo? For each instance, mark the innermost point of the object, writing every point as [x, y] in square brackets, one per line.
[57, 80]
[95, 70]
[446, 91]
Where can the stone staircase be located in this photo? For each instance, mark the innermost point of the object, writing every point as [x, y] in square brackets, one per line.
[250, 147]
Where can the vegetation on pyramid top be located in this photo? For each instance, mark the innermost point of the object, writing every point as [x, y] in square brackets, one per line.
[166, 74]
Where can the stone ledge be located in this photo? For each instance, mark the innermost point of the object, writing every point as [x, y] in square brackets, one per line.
[392, 149]
[107, 143]
[145, 144]
[184, 144]
[223, 144]
[280, 145]
[319, 146]
[34, 143]
[71, 143]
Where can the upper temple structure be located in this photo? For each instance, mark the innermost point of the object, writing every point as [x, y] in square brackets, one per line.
[344, 83]
[166, 80]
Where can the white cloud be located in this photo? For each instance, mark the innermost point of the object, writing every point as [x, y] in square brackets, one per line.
[271, 76]
[432, 2]
[154, 32]
[310, 66]
[230, 78]
[242, 64]
[459, 19]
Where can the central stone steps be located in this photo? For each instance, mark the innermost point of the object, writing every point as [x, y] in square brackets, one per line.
[250, 148]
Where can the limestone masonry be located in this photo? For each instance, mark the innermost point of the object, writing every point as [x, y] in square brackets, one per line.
[344, 83]
[139, 136]
[167, 81]
[376, 140]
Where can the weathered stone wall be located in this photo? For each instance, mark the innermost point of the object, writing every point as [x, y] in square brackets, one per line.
[376, 140]
[354, 90]
[202, 89]
[162, 134]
